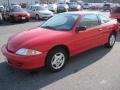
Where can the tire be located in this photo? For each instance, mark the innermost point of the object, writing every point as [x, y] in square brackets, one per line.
[37, 17]
[56, 59]
[11, 19]
[27, 20]
[111, 41]
[1, 20]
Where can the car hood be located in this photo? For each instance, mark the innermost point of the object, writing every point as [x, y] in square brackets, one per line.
[33, 38]
[45, 11]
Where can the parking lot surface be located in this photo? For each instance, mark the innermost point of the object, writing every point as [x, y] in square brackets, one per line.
[96, 69]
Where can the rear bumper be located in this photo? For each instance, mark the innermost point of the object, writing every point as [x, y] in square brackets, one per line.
[24, 62]
[21, 18]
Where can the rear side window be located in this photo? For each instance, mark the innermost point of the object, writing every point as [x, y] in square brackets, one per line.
[104, 19]
[89, 21]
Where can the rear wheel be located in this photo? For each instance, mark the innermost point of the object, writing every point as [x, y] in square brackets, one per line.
[37, 17]
[111, 41]
[56, 60]
[11, 19]
[27, 20]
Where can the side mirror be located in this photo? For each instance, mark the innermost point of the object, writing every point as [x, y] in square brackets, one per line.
[81, 28]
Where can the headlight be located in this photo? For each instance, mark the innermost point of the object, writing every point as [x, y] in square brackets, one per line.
[28, 14]
[27, 52]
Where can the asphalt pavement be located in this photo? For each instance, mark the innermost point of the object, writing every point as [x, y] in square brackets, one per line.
[96, 69]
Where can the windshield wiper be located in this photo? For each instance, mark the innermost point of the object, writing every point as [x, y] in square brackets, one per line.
[49, 27]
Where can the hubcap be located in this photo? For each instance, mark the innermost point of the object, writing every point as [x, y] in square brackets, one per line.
[112, 40]
[58, 60]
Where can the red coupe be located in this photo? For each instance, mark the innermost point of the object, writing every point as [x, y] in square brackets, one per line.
[59, 38]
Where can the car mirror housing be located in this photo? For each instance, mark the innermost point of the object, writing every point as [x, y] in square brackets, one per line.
[81, 28]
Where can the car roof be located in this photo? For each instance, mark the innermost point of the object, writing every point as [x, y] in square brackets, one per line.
[83, 12]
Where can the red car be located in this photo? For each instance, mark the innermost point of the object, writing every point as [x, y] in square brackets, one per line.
[16, 13]
[59, 38]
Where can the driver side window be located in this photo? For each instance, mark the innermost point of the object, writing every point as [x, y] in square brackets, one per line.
[89, 21]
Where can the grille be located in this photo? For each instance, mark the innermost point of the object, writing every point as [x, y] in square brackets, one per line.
[22, 15]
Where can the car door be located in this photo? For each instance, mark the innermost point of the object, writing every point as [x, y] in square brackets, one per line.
[107, 27]
[91, 37]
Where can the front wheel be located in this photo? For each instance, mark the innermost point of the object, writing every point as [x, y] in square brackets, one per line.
[11, 19]
[111, 41]
[56, 60]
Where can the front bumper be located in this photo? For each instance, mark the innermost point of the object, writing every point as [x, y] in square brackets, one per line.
[45, 16]
[59, 10]
[24, 62]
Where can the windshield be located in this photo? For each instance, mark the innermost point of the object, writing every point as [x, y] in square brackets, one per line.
[107, 5]
[38, 8]
[86, 4]
[15, 9]
[63, 22]
[73, 3]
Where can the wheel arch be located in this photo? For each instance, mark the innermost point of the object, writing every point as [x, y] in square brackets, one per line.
[114, 32]
[65, 47]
